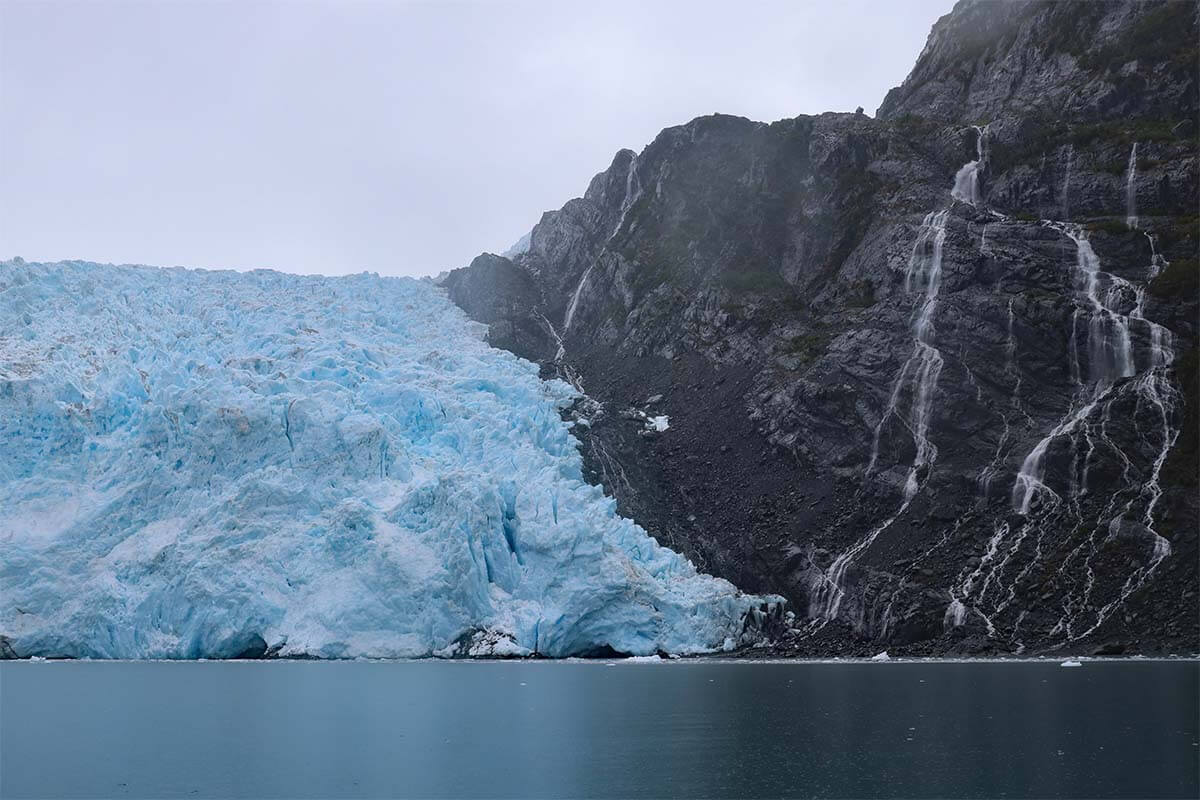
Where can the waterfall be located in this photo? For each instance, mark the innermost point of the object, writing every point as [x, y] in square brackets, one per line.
[1109, 350]
[631, 195]
[1066, 187]
[1131, 189]
[1010, 346]
[575, 299]
[920, 372]
[825, 602]
[1155, 387]
[561, 348]
[966, 180]
[633, 191]
[956, 612]
[928, 270]
[919, 375]
[1157, 262]
[956, 615]
[1011, 365]
[1070, 528]
[988, 473]
[1107, 308]
[1029, 481]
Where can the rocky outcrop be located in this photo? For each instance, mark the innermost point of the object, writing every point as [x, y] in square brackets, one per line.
[1036, 60]
[929, 375]
[495, 291]
[6, 651]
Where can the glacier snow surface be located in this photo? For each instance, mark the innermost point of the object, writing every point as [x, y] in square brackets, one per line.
[196, 463]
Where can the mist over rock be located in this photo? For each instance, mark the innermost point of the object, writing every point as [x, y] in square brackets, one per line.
[929, 375]
[214, 464]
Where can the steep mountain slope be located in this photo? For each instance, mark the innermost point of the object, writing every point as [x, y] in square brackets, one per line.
[213, 464]
[932, 375]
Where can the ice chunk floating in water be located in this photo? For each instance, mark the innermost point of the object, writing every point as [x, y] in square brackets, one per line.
[204, 463]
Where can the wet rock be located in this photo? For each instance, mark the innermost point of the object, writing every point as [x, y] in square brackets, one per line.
[6, 651]
[759, 278]
[1114, 648]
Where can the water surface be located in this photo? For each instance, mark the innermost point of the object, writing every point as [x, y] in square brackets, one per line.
[694, 729]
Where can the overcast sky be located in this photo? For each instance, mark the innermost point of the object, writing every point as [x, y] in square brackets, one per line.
[403, 138]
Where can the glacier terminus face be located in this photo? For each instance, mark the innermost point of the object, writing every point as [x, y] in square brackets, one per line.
[203, 464]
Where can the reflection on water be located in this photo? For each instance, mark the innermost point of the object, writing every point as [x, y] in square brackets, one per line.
[694, 729]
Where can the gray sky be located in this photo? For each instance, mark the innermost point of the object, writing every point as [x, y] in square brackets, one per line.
[403, 138]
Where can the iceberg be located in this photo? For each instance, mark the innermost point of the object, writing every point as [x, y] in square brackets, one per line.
[207, 464]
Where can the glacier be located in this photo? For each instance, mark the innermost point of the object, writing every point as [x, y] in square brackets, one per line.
[203, 464]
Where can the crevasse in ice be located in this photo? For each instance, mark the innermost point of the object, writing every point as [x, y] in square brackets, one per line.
[193, 464]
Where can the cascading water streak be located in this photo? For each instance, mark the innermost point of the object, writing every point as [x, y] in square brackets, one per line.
[1065, 196]
[1108, 309]
[631, 196]
[966, 180]
[1157, 262]
[923, 367]
[1131, 189]
[1110, 339]
[575, 300]
[1110, 351]
[1109, 357]
[919, 376]
[928, 366]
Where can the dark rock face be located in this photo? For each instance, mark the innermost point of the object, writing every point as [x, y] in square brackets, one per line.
[932, 382]
[495, 291]
[6, 651]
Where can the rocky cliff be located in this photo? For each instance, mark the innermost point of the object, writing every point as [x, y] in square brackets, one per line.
[930, 375]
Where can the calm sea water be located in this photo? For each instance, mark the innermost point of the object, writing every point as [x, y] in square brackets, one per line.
[694, 729]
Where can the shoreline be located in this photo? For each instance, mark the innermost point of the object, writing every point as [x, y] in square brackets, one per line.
[724, 659]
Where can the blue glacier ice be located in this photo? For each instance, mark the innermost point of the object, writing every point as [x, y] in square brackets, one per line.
[194, 463]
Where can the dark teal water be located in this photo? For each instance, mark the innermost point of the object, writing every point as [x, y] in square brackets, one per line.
[695, 729]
